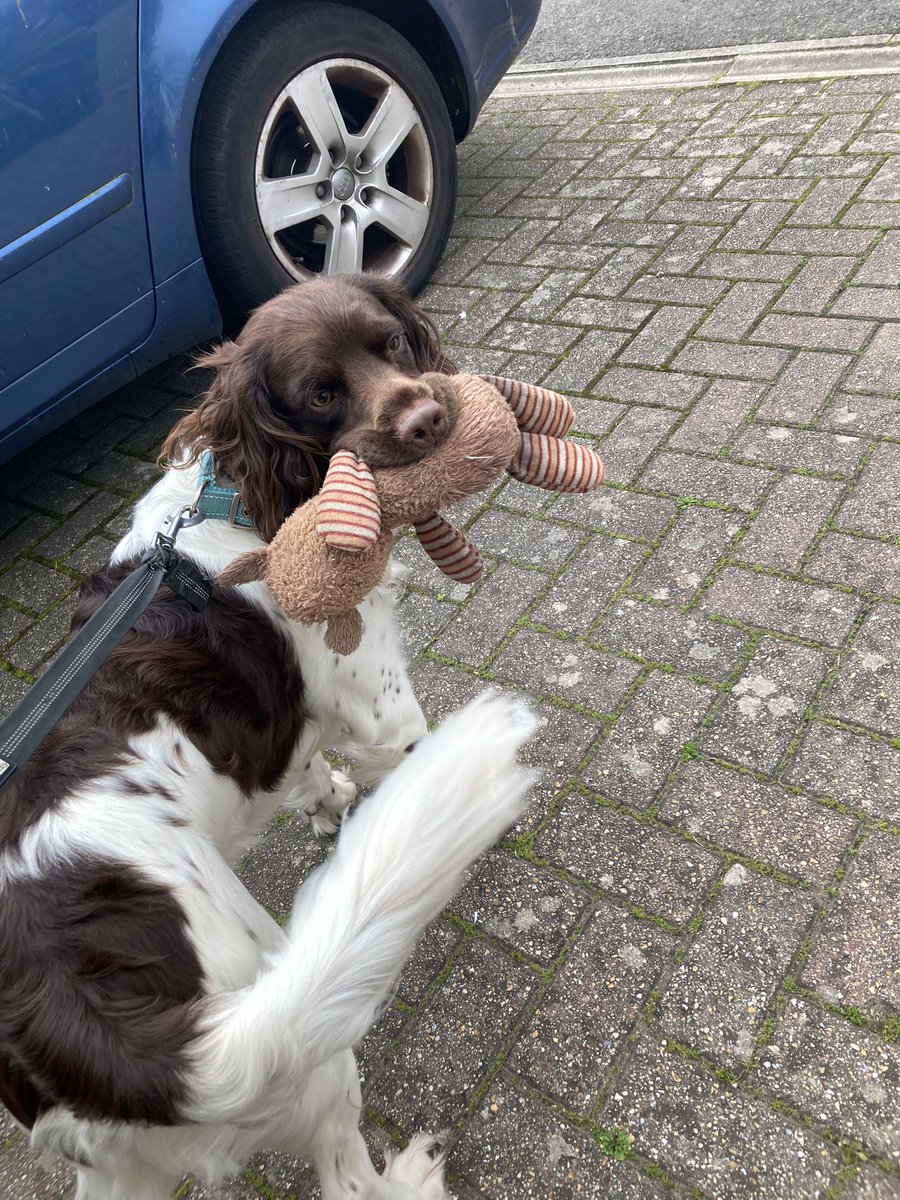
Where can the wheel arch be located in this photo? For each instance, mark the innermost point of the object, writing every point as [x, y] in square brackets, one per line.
[179, 47]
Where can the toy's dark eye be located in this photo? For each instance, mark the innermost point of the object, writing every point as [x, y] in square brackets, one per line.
[321, 399]
[395, 342]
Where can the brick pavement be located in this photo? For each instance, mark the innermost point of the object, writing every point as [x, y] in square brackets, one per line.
[679, 975]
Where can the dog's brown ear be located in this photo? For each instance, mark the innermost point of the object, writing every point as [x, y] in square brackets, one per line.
[273, 466]
[421, 332]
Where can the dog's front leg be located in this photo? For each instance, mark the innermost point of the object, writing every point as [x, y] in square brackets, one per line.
[322, 794]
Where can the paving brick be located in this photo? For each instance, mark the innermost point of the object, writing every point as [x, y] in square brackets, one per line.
[701, 212]
[615, 275]
[633, 440]
[635, 863]
[716, 415]
[885, 184]
[769, 157]
[482, 624]
[757, 719]
[630, 514]
[815, 285]
[631, 384]
[595, 997]
[586, 360]
[525, 906]
[759, 821]
[871, 1184]
[677, 289]
[881, 303]
[689, 644]
[803, 449]
[550, 293]
[805, 385]
[834, 133]
[717, 997]
[686, 555]
[540, 543]
[824, 202]
[661, 336]
[856, 948]
[707, 178]
[778, 188]
[837, 1073]
[644, 745]
[860, 562]
[588, 584]
[788, 521]
[874, 504]
[739, 362]
[875, 415]
[429, 1083]
[633, 233]
[643, 200]
[736, 312]
[712, 1136]
[867, 689]
[686, 249]
[799, 609]
[608, 314]
[838, 165]
[573, 672]
[877, 214]
[763, 266]
[517, 1147]
[706, 479]
[879, 368]
[853, 768]
[756, 226]
[816, 333]
[34, 585]
[822, 241]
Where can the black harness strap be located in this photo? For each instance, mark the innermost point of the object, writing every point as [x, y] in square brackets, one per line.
[36, 714]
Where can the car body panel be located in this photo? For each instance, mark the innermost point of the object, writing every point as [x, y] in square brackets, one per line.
[101, 270]
[75, 254]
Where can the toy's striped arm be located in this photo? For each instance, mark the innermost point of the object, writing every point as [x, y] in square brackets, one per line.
[349, 513]
[449, 550]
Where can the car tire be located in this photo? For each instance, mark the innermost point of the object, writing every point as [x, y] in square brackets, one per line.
[322, 145]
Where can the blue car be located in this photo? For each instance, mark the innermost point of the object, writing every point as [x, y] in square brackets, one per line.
[168, 163]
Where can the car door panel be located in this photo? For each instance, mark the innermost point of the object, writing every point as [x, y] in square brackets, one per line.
[74, 257]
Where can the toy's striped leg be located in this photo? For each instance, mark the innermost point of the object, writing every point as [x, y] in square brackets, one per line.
[449, 550]
[558, 466]
[536, 409]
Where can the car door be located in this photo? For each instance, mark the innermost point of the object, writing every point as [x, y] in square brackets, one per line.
[76, 290]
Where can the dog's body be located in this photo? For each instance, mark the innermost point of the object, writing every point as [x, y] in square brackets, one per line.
[154, 1020]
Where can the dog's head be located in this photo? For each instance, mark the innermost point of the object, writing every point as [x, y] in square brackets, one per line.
[333, 364]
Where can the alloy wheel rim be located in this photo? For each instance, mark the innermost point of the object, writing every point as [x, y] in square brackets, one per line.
[344, 172]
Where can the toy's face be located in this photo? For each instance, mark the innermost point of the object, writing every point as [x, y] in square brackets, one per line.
[351, 375]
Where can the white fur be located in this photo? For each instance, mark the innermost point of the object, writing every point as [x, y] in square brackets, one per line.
[273, 1066]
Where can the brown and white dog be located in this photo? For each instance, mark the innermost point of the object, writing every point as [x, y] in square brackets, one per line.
[154, 1020]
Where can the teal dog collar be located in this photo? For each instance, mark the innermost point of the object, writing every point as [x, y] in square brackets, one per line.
[219, 503]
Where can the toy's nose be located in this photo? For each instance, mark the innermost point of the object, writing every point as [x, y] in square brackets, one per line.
[423, 425]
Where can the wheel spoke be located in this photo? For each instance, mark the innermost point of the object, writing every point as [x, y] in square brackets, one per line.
[388, 126]
[289, 201]
[402, 216]
[344, 246]
[317, 107]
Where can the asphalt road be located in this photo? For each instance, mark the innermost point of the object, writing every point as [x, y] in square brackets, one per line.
[572, 29]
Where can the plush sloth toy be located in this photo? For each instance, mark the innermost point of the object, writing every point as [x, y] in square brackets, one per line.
[334, 549]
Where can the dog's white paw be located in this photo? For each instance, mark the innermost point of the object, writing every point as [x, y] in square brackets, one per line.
[420, 1167]
[325, 814]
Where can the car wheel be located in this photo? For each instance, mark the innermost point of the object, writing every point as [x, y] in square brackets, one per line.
[323, 145]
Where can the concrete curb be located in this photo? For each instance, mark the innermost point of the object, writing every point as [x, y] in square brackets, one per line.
[702, 68]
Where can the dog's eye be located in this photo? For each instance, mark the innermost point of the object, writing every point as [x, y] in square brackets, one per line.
[321, 399]
[395, 342]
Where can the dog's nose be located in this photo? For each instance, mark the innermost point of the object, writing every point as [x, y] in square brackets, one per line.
[424, 424]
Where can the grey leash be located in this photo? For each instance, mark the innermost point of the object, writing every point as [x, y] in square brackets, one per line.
[35, 715]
